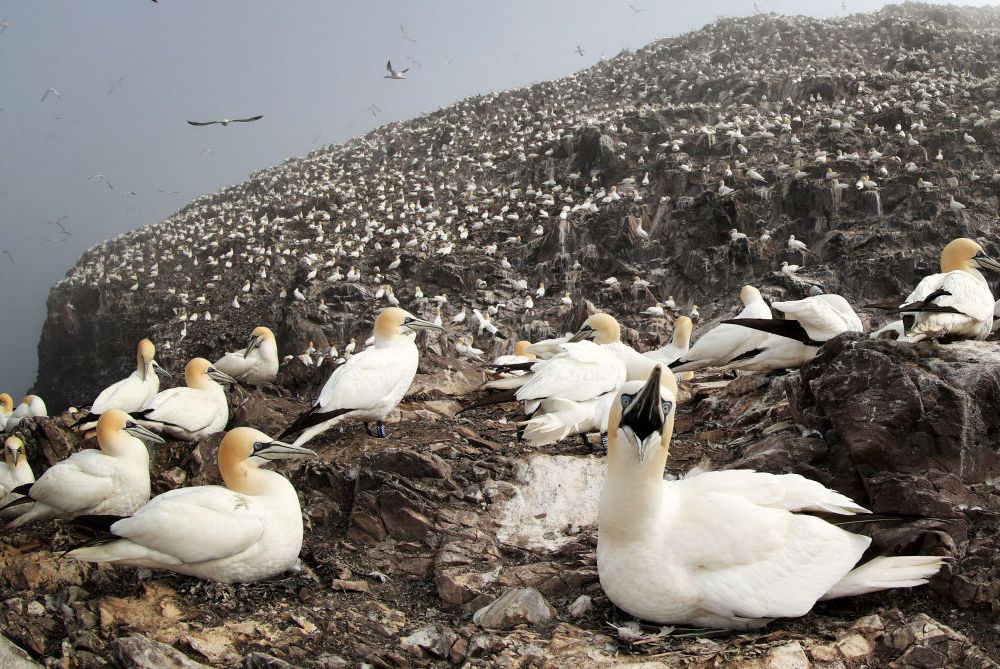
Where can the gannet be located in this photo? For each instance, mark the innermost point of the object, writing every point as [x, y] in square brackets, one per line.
[255, 364]
[581, 371]
[678, 346]
[6, 409]
[14, 473]
[956, 303]
[723, 549]
[371, 383]
[522, 359]
[131, 393]
[724, 342]
[248, 530]
[394, 74]
[112, 480]
[795, 340]
[194, 412]
[227, 121]
[31, 406]
[558, 418]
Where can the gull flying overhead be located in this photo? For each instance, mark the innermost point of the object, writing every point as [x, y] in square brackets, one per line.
[101, 177]
[402, 32]
[394, 74]
[52, 91]
[578, 50]
[227, 121]
[374, 109]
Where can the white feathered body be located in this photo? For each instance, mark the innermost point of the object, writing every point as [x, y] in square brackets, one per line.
[188, 414]
[130, 394]
[726, 549]
[10, 478]
[580, 372]
[210, 532]
[257, 367]
[970, 295]
[724, 342]
[557, 419]
[369, 385]
[90, 482]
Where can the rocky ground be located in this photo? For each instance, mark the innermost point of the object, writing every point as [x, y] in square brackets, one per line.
[451, 543]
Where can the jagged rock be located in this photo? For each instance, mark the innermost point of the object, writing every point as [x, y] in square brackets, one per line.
[928, 644]
[258, 660]
[581, 606]
[435, 639]
[142, 653]
[517, 606]
[12, 657]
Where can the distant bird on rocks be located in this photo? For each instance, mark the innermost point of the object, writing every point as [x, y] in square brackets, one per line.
[227, 121]
[394, 74]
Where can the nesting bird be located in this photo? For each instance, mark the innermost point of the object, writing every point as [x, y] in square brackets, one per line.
[14, 473]
[194, 412]
[131, 393]
[246, 530]
[255, 364]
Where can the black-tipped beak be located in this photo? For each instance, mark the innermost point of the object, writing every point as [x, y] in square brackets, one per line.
[643, 413]
[279, 450]
[159, 370]
[585, 332]
[983, 260]
[252, 344]
[220, 377]
[139, 432]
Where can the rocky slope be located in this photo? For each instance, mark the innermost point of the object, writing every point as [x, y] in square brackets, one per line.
[614, 172]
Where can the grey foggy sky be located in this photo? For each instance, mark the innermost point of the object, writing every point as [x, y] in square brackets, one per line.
[311, 67]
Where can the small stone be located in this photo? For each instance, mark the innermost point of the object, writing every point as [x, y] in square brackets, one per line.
[264, 661]
[328, 661]
[823, 653]
[855, 648]
[787, 656]
[515, 607]
[36, 608]
[581, 606]
[435, 639]
[350, 586]
[138, 652]
[176, 476]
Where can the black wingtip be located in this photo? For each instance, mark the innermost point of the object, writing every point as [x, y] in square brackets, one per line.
[495, 398]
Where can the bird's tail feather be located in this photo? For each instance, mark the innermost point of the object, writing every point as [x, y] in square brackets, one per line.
[882, 573]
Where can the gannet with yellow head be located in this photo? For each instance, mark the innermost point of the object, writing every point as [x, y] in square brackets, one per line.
[722, 549]
[604, 330]
[32, 406]
[726, 341]
[255, 364]
[522, 360]
[131, 393]
[111, 480]
[369, 385]
[193, 412]
[956, 303]
[14, 472]
[679, 344]
[6, 408]
[246, 530]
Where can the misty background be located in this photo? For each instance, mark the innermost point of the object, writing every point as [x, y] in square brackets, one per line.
[130, 73]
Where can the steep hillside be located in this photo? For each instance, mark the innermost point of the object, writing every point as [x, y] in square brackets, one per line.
[559, 177]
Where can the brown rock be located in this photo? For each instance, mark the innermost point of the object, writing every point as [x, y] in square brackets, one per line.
[517, 606]
[142, 653]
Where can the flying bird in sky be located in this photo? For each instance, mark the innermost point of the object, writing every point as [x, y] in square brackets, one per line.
[402, 31]
[53, 92]
[7, 253]
[394, 74]
[374, 109]
[635, 9]
[101, 177]
[115, 85]
[227, 121]
[3, 26]
[578, 49]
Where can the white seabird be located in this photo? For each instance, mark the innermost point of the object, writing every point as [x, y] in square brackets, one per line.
[604, 330]
[112, 480]
[581, 371]
[794, 341]
[131, 393]
[724, 342]
[724, 549]
[14, 473]
[957, 303]
[394, 74]
[31, 406]
[245, 531]
[255, 364]
[371, 383]
[679, 344]
[6, 409]
[194, 412]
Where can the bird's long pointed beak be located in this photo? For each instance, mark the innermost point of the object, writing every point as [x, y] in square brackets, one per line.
[421, 324]
[139, 432]
[984, 260]
[254, 343]
[644, 414]
[585, 332]
[159, 370]
[279, 450]
[220, 377]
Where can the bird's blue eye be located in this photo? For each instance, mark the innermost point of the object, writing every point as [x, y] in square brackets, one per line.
[626, 400]
[667, 407]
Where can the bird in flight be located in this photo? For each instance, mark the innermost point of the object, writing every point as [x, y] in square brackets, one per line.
[101, 177]
[635, 9]
[578, 49]
[3, 26]
[394, 74]
[402, 31]
[63, 233]
[115, 85]
[227, 121]
[7, 253]
[53, 92]
[374, 109]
